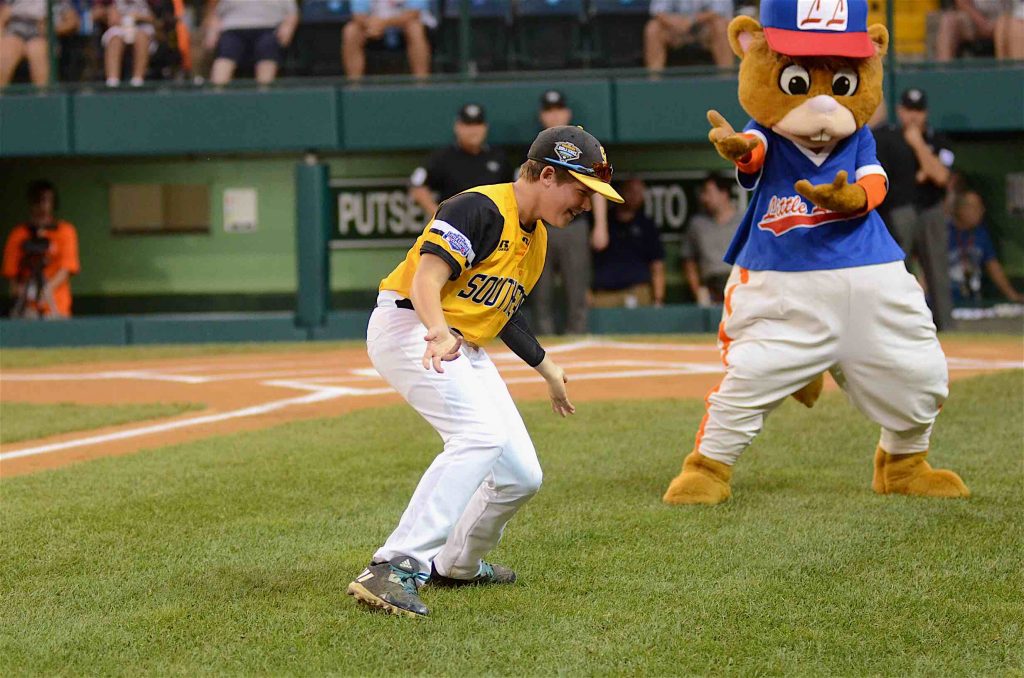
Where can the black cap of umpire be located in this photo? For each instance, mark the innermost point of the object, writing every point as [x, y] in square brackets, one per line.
[472, 114]
[915, 99]
[552, 99]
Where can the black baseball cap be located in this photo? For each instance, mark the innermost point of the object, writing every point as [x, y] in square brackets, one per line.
[915, 99]
[578, 151]
[552, 99]
[472, 114]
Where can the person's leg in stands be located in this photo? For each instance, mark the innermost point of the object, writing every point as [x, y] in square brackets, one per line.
[716, 41]
[140, 53]
[1009, 37]
[113, 53]
[38, 56]
[655, 46]
[353, 50]
[12, 49]
[664, 32]
[417, 47]
[955, 28]
[230, 50]
[268, 56]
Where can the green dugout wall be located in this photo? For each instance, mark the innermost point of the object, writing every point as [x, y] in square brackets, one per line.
[86, 142]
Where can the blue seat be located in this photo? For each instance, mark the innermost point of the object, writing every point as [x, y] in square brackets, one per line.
[620, 7]
[548, 34]
[616, 32]
[549, 8]
[478, 9]
[326, 11]
[489, 44]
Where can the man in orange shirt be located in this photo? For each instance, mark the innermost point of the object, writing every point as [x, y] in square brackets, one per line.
[40, 257]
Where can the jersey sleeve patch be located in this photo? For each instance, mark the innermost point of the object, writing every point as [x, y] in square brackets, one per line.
[469, 225]
[456, 241]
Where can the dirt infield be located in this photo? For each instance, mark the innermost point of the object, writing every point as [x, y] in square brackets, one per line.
[253, 391]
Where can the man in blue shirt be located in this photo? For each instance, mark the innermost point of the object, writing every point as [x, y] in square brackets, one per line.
[971, 252]
[629, 263]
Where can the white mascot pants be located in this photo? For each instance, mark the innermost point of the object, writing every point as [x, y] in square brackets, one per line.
[868, 325]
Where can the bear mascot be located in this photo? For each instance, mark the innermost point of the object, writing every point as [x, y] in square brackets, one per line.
[818, 284]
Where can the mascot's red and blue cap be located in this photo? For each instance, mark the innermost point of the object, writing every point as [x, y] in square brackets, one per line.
[817, 27]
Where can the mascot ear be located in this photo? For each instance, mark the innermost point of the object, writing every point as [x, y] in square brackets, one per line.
[880, 36]
[742, 31]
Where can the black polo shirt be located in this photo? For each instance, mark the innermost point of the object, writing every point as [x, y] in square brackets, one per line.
[632, 247]
[451, 170]
[900, 163]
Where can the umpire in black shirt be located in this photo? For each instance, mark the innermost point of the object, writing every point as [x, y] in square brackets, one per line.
[918, 161]
[467, 163]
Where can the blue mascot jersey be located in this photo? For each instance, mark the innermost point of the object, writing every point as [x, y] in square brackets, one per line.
[783, 232]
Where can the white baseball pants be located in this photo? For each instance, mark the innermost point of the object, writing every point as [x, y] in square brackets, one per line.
[489, 466]
[868, 325]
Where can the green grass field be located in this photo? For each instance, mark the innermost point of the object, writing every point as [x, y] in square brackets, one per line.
[27, 421]
[231, 555]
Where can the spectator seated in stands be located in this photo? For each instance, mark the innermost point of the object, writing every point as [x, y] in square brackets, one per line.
[675, 24]
[1009, 31]
[629, 260]
[129, 22]
[249, 31]
[40, 257]
[967, 27]
[23, 29]
[707, 240]
[971, 253]
[388, 22]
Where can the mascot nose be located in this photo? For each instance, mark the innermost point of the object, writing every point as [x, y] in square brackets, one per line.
[823, 104]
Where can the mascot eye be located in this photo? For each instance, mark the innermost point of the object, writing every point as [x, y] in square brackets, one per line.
[844, 83]
[795, 80]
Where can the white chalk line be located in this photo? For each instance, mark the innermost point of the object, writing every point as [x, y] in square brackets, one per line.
[319, 392]
[170, 425]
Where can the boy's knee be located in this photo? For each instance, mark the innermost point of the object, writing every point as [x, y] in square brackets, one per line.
[530, 482]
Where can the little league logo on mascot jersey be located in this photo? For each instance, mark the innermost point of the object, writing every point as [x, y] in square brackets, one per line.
[785, 213]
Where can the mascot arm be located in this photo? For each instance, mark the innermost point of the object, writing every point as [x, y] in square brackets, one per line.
[752, 162]
[875, 187]
[840, 196]
[730, 145]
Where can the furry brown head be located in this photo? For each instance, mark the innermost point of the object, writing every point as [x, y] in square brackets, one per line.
[813, 101]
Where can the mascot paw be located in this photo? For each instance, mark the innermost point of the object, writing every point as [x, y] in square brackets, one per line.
[728, 143]
[702, 481]
[910, 474]
[838, 196]
[809, 394]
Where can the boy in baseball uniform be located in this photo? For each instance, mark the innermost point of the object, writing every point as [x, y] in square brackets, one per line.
[461, 285]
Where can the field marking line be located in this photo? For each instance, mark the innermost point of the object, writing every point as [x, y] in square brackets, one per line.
[983, 364]
[149, 375]
[318, 394]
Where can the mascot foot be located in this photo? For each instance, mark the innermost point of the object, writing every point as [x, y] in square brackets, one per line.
[911, 474]
[809, 394]
[702, 481]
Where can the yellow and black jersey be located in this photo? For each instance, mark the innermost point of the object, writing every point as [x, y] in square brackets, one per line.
[495, 260]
